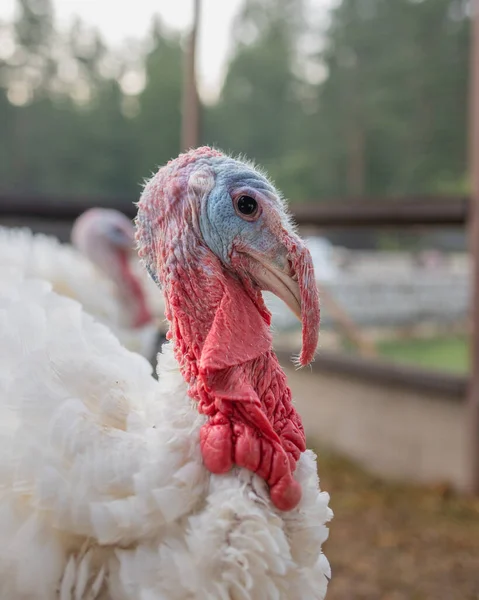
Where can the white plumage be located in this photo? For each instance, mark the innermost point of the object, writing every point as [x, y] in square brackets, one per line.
[107, 489]
[73, 275]
[103, 494]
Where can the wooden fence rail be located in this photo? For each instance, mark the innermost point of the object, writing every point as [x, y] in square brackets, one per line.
[420, 211]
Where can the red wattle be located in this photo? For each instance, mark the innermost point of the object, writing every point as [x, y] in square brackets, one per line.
[252, 422]
[221, 335]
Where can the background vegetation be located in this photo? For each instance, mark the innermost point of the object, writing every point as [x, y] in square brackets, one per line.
[372, 101]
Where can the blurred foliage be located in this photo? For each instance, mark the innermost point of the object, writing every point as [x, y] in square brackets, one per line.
[373, 101]
[447, 354]
[396, 95]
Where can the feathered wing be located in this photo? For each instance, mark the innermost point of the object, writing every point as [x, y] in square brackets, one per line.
[103, 493]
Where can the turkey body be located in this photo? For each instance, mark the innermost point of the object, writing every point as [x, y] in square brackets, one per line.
[197, 485]
[103, 493]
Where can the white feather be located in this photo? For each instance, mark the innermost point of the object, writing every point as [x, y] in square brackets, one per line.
[103, 494]
[72, 275]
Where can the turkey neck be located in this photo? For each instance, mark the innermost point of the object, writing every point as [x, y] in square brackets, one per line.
[131, 294]
[220, 333]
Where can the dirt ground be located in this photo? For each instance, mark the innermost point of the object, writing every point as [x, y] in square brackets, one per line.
[398, 542]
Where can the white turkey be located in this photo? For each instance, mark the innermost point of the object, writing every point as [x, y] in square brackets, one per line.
[97, 271]
[115, 486]
[106, 238]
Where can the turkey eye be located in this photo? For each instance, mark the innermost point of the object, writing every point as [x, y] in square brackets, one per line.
[247, 206]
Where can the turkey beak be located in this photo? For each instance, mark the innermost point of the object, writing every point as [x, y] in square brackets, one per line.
[295, 284]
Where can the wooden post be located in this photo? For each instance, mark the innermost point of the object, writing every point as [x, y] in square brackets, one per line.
[473, 400]
[190, 123]
[344, 323]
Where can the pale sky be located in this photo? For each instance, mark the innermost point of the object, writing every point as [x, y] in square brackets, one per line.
[120, 19]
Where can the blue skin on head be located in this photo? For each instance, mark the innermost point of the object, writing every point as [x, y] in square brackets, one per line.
[221, 227]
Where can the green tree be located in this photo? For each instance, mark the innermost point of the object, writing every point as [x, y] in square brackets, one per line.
[260, 112]
[157, 126]
[393, 107]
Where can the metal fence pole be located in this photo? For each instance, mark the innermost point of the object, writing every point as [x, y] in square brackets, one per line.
[473, 399]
